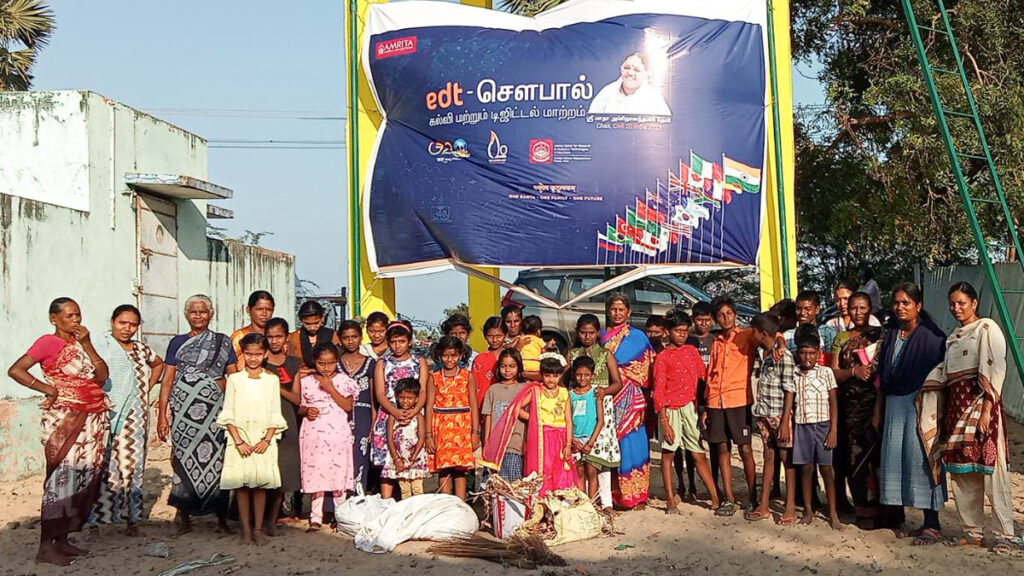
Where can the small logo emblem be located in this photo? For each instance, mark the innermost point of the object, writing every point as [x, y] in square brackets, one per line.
[497, 153]
[542, 151]
[395, 47]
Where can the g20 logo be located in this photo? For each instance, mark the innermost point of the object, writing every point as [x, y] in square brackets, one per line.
[446, 151]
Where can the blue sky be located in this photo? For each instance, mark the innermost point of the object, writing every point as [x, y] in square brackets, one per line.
[247, 70]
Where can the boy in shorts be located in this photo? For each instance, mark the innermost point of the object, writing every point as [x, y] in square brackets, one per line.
[729, 396]
[676, 372]
[811, 403]
[774, 376]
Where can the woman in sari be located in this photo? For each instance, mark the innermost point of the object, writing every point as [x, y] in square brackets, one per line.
[193, 389]
[909, 352]
[964, 428]
[134, 370]
[607, 383]
[75, 426]
[853, 354]
[634, 356]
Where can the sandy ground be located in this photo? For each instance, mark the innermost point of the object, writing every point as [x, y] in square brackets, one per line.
[694, 542]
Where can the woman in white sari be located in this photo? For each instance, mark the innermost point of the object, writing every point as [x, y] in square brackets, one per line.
[963, 425]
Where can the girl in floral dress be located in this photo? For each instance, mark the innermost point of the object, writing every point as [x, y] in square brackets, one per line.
[406, 443]
[388, 371]
[453, 420]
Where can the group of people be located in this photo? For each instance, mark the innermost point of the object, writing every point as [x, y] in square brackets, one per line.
[884, 415]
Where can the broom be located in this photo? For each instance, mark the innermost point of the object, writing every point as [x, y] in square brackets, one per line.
[527, 552]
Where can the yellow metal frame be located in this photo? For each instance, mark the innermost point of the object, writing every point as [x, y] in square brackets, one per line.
[373, 294]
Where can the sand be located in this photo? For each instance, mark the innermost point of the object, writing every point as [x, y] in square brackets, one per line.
[694, 542]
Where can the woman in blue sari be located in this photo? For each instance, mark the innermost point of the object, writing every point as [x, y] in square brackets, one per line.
[634, 355]
[191, 397]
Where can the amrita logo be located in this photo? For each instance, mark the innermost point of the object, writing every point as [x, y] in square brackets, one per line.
[542, 151]
[395, 47]
[497, 153]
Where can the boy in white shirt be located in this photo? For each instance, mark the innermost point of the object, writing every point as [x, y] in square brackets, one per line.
[811, 402]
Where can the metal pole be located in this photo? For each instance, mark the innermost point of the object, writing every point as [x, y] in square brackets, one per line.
[779, 180]
[355, 231]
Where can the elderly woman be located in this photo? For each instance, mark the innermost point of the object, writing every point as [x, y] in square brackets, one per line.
[75, 426]
[964, 427]
[909, 352]
[634, 356]
[134, 369]
[193, 388]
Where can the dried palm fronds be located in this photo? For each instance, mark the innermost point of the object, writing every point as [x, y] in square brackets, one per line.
[526, 552]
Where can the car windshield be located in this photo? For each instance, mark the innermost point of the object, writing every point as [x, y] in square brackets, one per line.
[684, 287]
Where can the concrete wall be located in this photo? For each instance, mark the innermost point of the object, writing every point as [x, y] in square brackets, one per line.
[936, 285]
[53, 244]
[230, 273]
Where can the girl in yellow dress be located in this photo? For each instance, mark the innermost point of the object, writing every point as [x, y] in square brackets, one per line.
[252, 417]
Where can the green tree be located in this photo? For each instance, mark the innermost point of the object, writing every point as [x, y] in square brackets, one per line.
[25, 28]
[461, 308]
[874, 182]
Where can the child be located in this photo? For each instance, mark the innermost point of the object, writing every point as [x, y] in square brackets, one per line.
[531, 346]
[701, 337]
[252, 417]
[808, 306]
[453, 419]
[554, 426]
[325, 439]
[729, 397]
[657, 331]
[587, 422]
[376, 326]
[676, 372]
[359, 367]
[605, 455]
[509, 383]
[774, 376]
[408, 463]
[812, 397]
[287, 369]
[310, 333]
[484, 363]
[386, 374]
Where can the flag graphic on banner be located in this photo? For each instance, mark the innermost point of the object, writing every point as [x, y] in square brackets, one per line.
[700, 172]
[741, 178]
[674, 211]
[606, 243]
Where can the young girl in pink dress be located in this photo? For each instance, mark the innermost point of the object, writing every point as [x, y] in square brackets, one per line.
[325, 439]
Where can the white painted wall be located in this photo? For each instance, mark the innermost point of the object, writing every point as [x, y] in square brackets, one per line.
[49, 249]
[45, 148]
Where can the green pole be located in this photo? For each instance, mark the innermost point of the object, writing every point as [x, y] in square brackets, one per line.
[353, 162]
[779, 180]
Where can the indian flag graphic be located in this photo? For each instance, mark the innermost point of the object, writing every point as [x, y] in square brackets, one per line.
[741, 178]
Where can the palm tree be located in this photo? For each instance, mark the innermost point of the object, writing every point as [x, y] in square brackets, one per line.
[528, 7]
[25, 27]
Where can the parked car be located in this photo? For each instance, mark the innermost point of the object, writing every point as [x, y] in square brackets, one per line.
[650, 295]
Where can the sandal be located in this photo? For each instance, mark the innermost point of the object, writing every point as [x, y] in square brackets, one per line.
[786, 520]
[313, 528]
[962, 542]
[726, 509]
[1008, 545]
[755, 515]
[927, 537]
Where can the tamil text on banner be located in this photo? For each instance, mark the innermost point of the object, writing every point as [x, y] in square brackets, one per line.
[603, 132]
